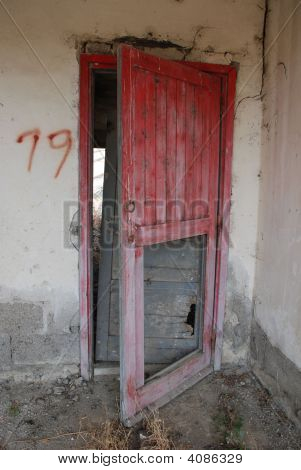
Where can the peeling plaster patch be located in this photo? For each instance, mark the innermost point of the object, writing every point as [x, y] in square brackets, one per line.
[96, 44]
[229, 57]
[151, 41]
[73, 232]
[237, 325]
[65, 312]
[164, 47]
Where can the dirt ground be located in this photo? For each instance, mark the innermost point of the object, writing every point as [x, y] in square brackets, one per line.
[224, 411]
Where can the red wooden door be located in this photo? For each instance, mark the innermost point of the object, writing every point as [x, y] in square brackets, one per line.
[169, 125]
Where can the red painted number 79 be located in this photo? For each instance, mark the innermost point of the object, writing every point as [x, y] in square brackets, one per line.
[54, 141]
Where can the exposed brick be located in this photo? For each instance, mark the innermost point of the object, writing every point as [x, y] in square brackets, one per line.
[280, 375]
[50, 349]
[5, 352]
[20, 318]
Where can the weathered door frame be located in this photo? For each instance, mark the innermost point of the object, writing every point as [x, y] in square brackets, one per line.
[227, 74]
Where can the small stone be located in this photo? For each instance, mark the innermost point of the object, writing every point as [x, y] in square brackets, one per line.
[58, 390]
[78, 381]
[143, 435]
[40, 401]
[66, 381]
[75, 398]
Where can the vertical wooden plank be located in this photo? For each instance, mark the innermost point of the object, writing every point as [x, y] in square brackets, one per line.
[171, 149]
[139, 114]
[228, 94]
[128, 333]
[139, 307]
[213, 145]
[180, 161]
[160, 149]
[205, 155]
[197, 209]
[189, 150]
[128, 280]
[150, 151]
[85, 219]
[212, 126]
[138, 150]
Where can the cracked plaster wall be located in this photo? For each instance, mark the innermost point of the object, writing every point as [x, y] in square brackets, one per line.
[277, 291]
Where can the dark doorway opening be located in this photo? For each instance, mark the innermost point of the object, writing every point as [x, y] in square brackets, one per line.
[104, 204]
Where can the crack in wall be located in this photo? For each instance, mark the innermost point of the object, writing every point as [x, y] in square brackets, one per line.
[139, 42]
[259, 95]
[98, 45]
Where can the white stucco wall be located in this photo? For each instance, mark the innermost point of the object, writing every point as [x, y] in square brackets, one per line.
[278, 293]
[39, 76]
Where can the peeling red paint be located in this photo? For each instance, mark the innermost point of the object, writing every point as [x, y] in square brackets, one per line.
[131, 388]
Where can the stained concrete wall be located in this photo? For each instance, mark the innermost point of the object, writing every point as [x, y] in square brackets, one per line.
[39, 76]
[277, 331]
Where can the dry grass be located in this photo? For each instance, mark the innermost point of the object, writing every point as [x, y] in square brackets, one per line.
[157, 434]
[229, 423]
[113, 435]
[110, 435]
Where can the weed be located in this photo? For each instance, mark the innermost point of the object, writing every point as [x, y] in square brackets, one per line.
[229, 424]
[14, 408]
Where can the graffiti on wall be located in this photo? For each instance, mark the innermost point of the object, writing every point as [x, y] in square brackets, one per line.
[61, 139]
